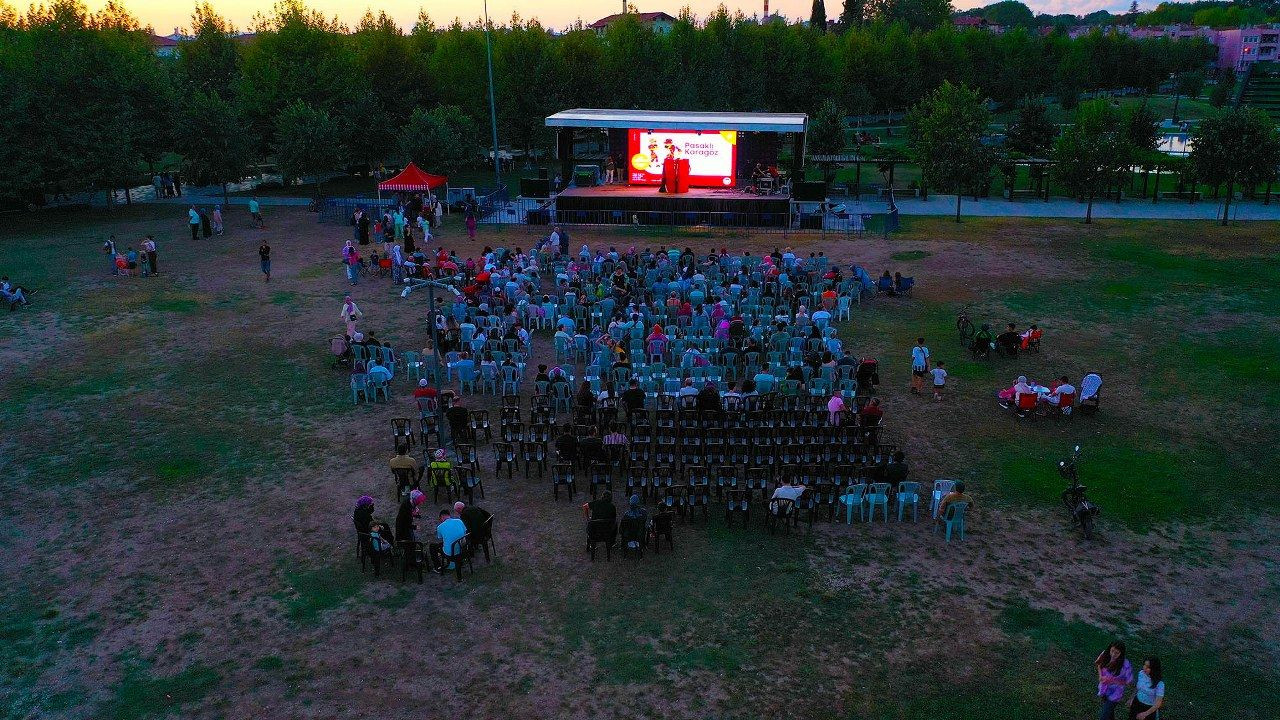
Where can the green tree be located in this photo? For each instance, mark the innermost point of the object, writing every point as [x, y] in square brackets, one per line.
[1236, 147]
[853, 14]
[1189, 84]
[210, 61]
[306, 142]
[818, 16]
[210, 136]
[1142, 129]
[946, 130]
[1090, 155]
[1223, 86]
[1009, 13]
[826, 130]
[1031, 132]
[915, 14]
[443, 139]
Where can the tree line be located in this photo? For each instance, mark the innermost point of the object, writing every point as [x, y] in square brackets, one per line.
[85, 99]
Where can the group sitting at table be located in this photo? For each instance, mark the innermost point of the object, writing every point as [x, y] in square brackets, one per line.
[1026, 395]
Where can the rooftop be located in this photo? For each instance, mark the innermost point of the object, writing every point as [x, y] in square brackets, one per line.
[677, 120]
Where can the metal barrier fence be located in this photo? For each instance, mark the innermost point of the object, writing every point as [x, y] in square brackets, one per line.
[340, 210]
[800, 218]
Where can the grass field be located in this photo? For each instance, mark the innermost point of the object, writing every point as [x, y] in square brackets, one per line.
[181, 461]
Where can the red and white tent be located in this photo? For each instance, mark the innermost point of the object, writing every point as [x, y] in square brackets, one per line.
[411, 179]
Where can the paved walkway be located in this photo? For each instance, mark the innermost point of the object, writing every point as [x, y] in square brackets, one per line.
[1132, 209]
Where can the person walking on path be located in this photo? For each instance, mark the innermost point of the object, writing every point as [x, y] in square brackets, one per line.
[919, 365]
[217, 219]
[1114, 675]
[255, 211]
[1149, 698]
[193, 219]
[264, 252]
[471, 225]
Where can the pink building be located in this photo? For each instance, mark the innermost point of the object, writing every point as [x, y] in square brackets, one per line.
[1241, 47]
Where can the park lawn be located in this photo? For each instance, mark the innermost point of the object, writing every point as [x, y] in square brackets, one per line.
[184, 462]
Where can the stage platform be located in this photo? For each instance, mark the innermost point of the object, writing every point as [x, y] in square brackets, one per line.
[644, 205]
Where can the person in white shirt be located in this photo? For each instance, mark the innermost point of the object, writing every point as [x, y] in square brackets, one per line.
[919, 365]
[687, 390]
[939, 380]
[1064, 388]
[791, 491]
[193, 219]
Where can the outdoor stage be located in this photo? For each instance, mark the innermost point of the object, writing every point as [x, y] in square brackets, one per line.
[644, 205]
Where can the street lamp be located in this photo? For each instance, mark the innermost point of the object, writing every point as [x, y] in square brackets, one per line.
[493, 108]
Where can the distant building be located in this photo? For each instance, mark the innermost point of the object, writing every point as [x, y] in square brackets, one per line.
[1239, 48]
[658, 22]
[164, 46]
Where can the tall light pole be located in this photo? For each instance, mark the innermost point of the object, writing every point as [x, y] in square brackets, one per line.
[493, 107]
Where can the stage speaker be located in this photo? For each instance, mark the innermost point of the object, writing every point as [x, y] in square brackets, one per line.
[809, 191]
[542, 174]
[535, 187]
[538, 217]
[584, 178]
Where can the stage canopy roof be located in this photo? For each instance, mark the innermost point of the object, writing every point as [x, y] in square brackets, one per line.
[675, 120]
[412, 178]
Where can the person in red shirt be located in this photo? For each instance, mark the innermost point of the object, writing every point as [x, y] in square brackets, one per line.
[424, 390]
[871, 413]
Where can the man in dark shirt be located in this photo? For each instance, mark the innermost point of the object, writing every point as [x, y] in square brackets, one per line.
[459, 420]
[602, 508]
[264, 252]
[633, 397]
[591, 448]
[1008, 341]
[474, 518]
[896, 471]
[709, 398]
[567, 446]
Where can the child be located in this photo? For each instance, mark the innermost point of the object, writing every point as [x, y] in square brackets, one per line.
[939, 380]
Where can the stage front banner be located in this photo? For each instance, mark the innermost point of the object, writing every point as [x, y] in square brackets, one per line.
[712, 156]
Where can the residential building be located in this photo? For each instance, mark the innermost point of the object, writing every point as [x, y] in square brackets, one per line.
[658, 22]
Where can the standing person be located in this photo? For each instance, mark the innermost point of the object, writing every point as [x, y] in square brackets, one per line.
[939, 380]
[255, 211]
[1149, 698]
[158, 184]
[193, 219]
[217, 219]
[351, 258]
[177, 184]
[264, 252]
[362, 227]
[437, 209]
[109, 248]
[149, 247]
[471, 224]
[206, 226]
[1114, 675]
[919, 365]
[608, 170]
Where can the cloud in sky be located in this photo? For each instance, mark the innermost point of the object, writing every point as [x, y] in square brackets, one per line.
[167, 14]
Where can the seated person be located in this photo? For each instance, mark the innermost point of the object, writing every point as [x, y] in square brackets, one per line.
[896, 471]
[1008, 342]
[956, 495]
[402, 460]
[871, 413]
[591, 447]
[886, 284]
[12, 294]
[378, 371]
[474, 517]
[602, 508]
[1031, 337]
[633, 397]
[708, 398]
[1020, 387]
[792, 491]
[981, 340]
[1064, 387]
[424, 390]
[567, 446]
[449, 531]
